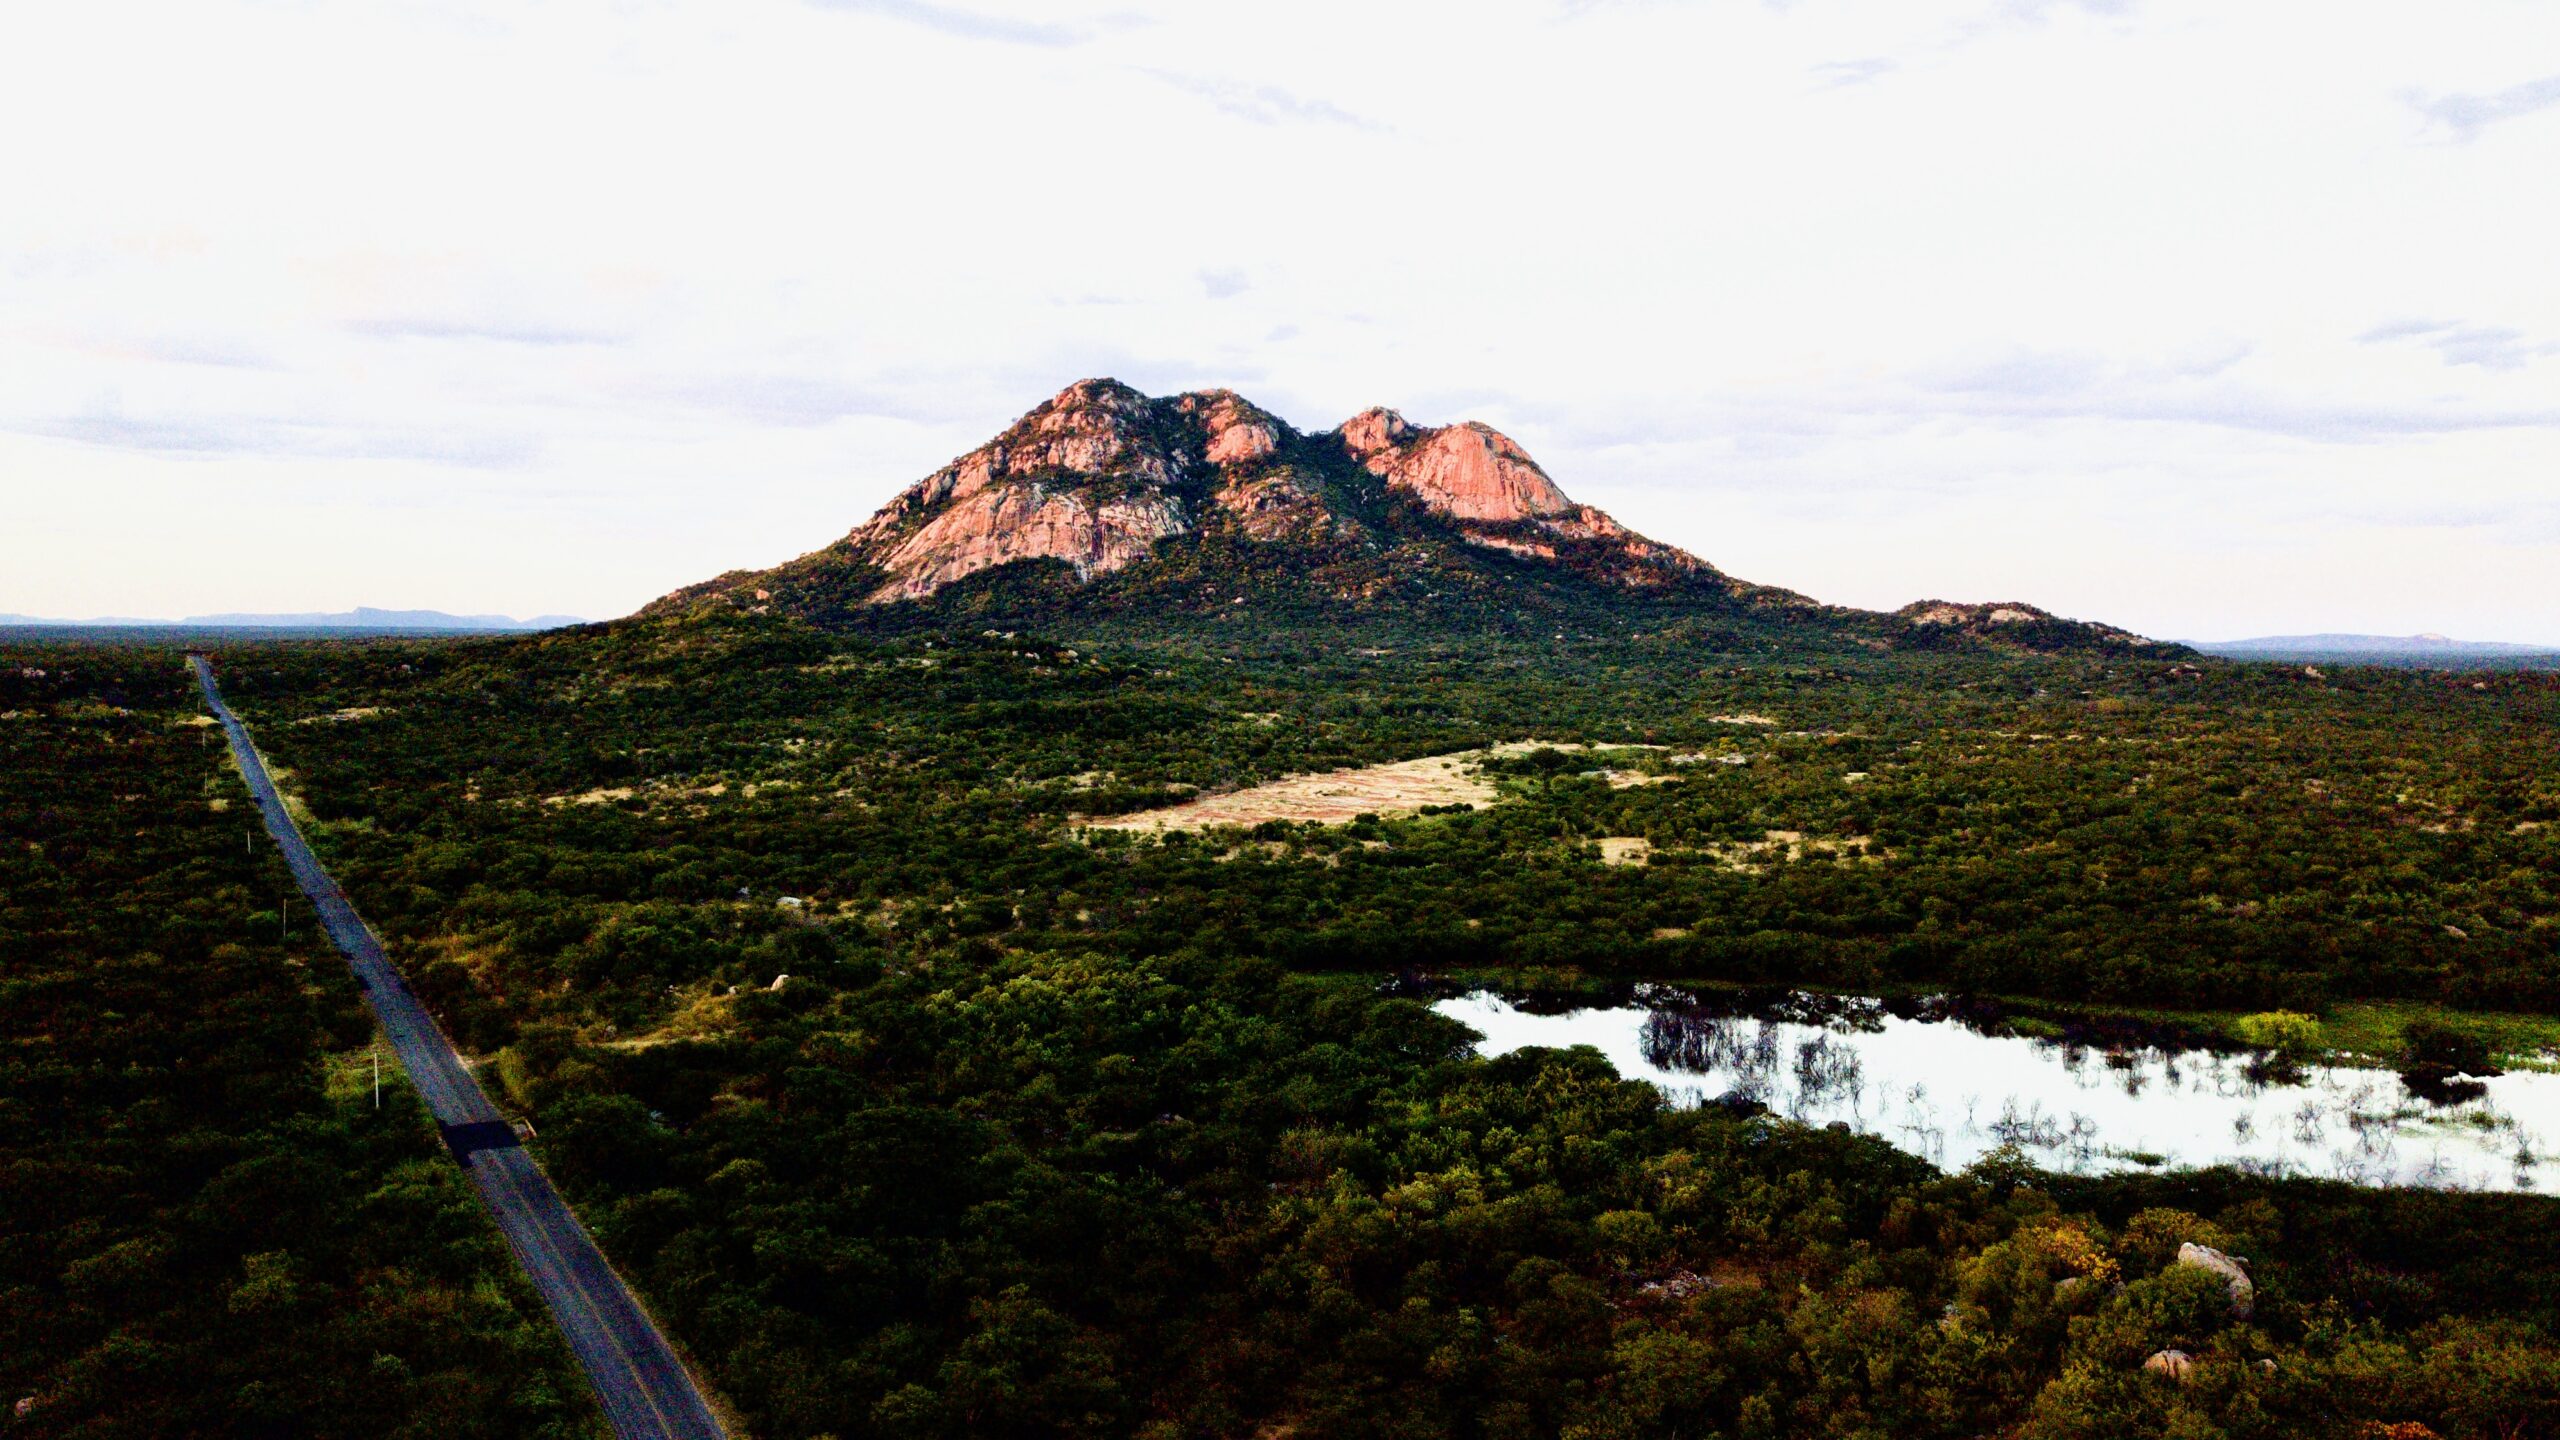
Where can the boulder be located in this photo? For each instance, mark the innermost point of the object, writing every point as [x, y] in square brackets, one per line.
[2205, 1257]
[2176, 1365]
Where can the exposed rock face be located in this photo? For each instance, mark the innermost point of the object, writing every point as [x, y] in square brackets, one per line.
[997, 527]
[1373, 430]
[1239, 431]
[2204, 1257]
[1101, 474]
[1468, 472]
[1029, 495]
[1942, 612]
[1479, 477]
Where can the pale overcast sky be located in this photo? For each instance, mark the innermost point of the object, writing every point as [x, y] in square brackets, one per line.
[2208, 319]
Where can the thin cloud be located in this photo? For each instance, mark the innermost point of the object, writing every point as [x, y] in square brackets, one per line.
[157, 435]
[2490, 347]
[2040, 9]
[1839, 74]
[2403, 329]
[218, 353]
[1265, 104]
[471, 450]
[2021, 389]
[2038, 386]
[789, 401]
[407, 329]
[1224, 284]
[2465, 116]
[967, 24]
[182, 436]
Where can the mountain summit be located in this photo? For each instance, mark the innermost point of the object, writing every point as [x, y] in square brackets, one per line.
[1106, 500]
[1101, 476]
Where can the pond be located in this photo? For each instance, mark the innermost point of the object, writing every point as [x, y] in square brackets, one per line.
[1952, 1091]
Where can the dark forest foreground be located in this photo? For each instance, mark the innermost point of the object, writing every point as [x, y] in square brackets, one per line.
[916, 1109]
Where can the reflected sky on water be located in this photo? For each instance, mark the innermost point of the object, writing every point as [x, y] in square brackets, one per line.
[1952, 1093]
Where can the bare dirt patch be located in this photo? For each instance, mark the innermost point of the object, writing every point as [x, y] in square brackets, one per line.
[1400, 788]
[602, 796]
[1625, 849]
[1781, 846]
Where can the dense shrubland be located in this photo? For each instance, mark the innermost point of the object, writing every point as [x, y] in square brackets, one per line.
[199, 1235]
[2151, 833]
[1062, 1132]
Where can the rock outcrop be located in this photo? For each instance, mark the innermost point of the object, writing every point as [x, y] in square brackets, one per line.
[1238, 431]
[2244, 1295]
[2175, 1365]
[1500, 499]
[1027, 522]
[1467, 472]
[2014, 623]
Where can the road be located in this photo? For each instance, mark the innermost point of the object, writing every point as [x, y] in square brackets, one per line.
[644, 1389]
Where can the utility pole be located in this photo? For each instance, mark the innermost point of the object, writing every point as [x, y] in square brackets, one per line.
[284, 917]
[377, 1074]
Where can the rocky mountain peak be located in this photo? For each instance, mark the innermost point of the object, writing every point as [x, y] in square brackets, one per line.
[1472, 472]
[1236, 430]
[1100, 475]
[1203, 508]
[1374, 430]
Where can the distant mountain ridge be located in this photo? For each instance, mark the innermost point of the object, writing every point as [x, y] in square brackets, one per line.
[1104, 504]
[363, 617]
[2402, 649]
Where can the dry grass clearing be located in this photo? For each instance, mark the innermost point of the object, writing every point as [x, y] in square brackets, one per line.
[603, 796]
[1400, 788]
[1337, 796]
[1625, 850]
[1781, 846]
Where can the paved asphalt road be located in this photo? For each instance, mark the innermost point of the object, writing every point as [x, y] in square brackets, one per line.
[644, 1389]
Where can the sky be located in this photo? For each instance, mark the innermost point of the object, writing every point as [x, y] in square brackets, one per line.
[2205, 319]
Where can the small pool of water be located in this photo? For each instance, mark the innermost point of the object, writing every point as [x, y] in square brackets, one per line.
[1952, 1092]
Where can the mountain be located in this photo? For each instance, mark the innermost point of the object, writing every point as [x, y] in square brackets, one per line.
[2014, 622]
[2375, 649]
[365, 617]
[362, 618]
[1108, 504]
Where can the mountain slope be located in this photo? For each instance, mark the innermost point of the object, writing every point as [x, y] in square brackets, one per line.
[1104, 502]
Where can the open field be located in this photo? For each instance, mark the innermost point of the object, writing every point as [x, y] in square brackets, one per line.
[1399, 788]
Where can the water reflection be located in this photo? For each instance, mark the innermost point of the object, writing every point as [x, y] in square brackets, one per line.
[1951, 1092]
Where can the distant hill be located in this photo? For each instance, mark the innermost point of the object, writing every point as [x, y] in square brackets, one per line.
[2420, 650]
[363, 618]
[1107, 510]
